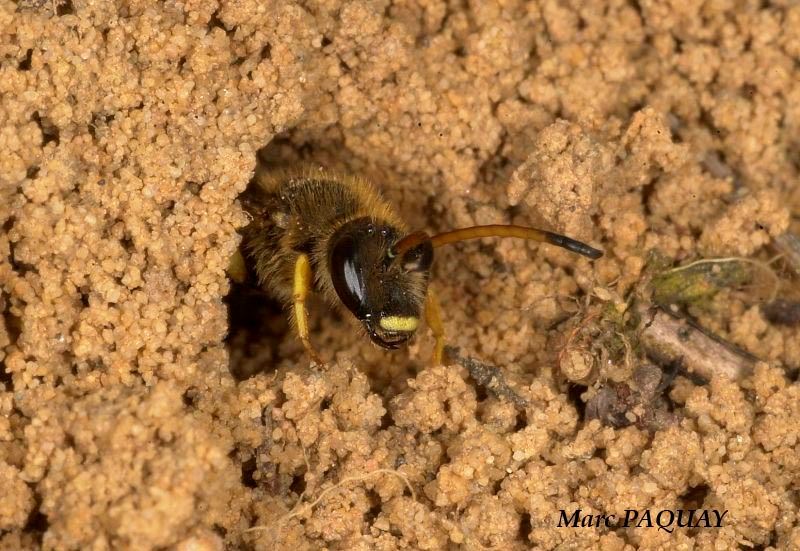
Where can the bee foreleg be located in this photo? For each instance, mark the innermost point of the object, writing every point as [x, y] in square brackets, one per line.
[237, 269]
[302, 285]
[433, 316]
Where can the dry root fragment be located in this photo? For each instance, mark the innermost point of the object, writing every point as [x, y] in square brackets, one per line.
[302, 507]
[487, 376]
[669, 340]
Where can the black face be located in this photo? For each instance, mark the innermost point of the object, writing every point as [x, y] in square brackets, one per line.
[386, 294]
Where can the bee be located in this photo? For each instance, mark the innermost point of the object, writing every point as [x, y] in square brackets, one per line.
[313, 230]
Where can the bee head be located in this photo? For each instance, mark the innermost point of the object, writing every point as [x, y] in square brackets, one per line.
[384, 291]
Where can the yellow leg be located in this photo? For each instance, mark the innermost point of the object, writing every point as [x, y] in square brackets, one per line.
[433, 315]
[302, 285]
[237, 270]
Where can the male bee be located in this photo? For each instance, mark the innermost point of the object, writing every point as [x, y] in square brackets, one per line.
[313, 230]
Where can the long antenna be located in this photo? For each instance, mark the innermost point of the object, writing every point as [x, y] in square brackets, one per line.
[495, 230]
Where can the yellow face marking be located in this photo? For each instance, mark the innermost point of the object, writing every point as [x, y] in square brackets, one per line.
[399, 323]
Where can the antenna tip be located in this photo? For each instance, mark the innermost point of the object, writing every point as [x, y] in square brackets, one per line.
[593, 253]
[573, 245]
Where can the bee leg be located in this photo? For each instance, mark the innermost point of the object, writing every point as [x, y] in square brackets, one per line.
[236, 267]
[302, 285]
[433, 315]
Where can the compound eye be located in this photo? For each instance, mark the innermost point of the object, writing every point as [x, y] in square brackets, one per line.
[347, 275]
[419, 258]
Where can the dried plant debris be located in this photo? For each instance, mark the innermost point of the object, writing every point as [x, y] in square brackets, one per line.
[668, 339]
[668, 330]
[699, 281]
[264, 471]
[641, 401]
[610, 346]
[487, 376]
[695, 284]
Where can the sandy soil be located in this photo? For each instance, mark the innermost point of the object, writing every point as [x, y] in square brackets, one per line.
[135, 414]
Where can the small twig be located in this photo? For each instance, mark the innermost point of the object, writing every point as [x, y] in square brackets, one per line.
[668, 339]
[488, 376]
